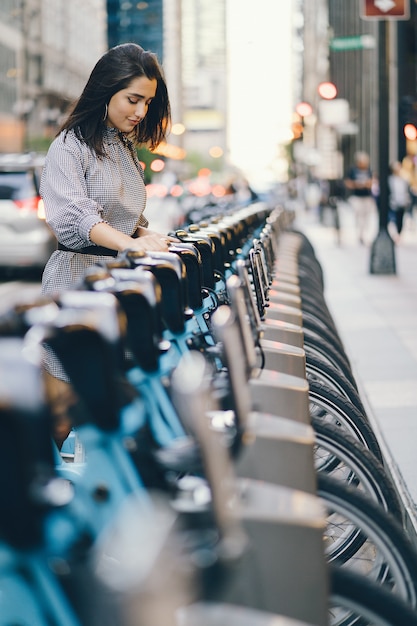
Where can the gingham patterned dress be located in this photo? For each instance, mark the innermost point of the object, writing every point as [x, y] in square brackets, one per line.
[79, 190]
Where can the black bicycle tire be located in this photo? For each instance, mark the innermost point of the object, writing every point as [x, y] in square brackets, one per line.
[308, 262]
[378, 606]
[314, 344]
[307, 247]
[317, 307]
[331, 376]
[316, 303]
[370, 472]
[371, 522]
[309, 265]
[310, 272]
[337, 354]
[346, 414]
[309, 279]
[320, 318]
[310, 322]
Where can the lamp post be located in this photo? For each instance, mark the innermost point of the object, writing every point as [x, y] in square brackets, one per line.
[382, 259]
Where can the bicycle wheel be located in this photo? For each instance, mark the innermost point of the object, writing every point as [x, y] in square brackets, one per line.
[327, 405]
[323, 372]
[345, 459]
[361, 536]
[316, 305]
[317, 346]
[356, 601]
[313, 323]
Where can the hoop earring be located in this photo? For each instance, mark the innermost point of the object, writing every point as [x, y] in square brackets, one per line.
[106, 110]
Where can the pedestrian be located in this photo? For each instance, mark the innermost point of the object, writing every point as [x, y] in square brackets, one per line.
[335, 193]
[359, 183]
[409, 170]
[398, 195]
[93, 185]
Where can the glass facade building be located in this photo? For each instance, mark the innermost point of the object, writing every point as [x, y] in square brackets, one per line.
[138, 22]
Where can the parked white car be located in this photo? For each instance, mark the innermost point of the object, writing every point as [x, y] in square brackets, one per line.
[26, 242]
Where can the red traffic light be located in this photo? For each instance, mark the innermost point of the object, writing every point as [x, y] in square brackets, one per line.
[304, 109]
[410, 132]
[327, 90]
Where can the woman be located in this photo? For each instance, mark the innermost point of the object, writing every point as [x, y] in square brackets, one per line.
[92, 182]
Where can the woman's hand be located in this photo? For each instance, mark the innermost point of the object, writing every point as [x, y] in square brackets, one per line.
[152, 242]
[105, 235]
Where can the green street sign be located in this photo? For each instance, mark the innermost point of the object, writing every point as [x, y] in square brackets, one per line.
[354, 42]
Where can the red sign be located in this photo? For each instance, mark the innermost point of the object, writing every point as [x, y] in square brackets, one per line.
[385, 9]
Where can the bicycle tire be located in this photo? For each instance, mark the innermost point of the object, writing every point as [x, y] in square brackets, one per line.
[360, 534]
[345, 459]
[312, 323]
[316, 304]
[310, 267]
[313, 300]
[307, 248]
[309, 280]
[310, 274]
[326, 404]
[315, 345]
[356, 601]
[322, 371]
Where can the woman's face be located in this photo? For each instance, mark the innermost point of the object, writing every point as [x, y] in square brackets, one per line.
[129, 106]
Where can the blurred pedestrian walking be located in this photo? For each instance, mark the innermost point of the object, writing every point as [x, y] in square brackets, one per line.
[409, 168]
[359, 183]
[398, 195]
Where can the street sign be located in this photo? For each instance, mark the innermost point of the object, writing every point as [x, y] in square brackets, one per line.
[334, 112]
[354, 42]
[385, 9]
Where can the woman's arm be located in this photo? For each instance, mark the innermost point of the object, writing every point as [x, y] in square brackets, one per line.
[102, 234]
[75, 218]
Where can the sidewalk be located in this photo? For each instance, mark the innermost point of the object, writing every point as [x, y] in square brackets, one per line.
[376, 316]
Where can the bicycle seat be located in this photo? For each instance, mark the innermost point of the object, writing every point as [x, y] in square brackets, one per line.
[192, 260]
[177, 261]
[206, 248]
[218, 241]
[166, 273]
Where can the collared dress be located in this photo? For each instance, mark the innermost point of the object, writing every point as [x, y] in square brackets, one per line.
[80, 190]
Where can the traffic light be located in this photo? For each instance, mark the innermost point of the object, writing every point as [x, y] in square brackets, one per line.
[327, 90]
[410, 132]
[303, 109]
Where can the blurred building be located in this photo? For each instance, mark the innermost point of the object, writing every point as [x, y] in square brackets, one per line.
[189, 38]
[204, 74]
[140, 22]
[338, 48]
[341, 47]
[353, 67]
[48, 49]
[406, 44]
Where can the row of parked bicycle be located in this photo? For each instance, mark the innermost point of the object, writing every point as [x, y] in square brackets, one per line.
[222, 468]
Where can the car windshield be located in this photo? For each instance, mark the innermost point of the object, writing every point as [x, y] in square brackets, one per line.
[16, 186]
